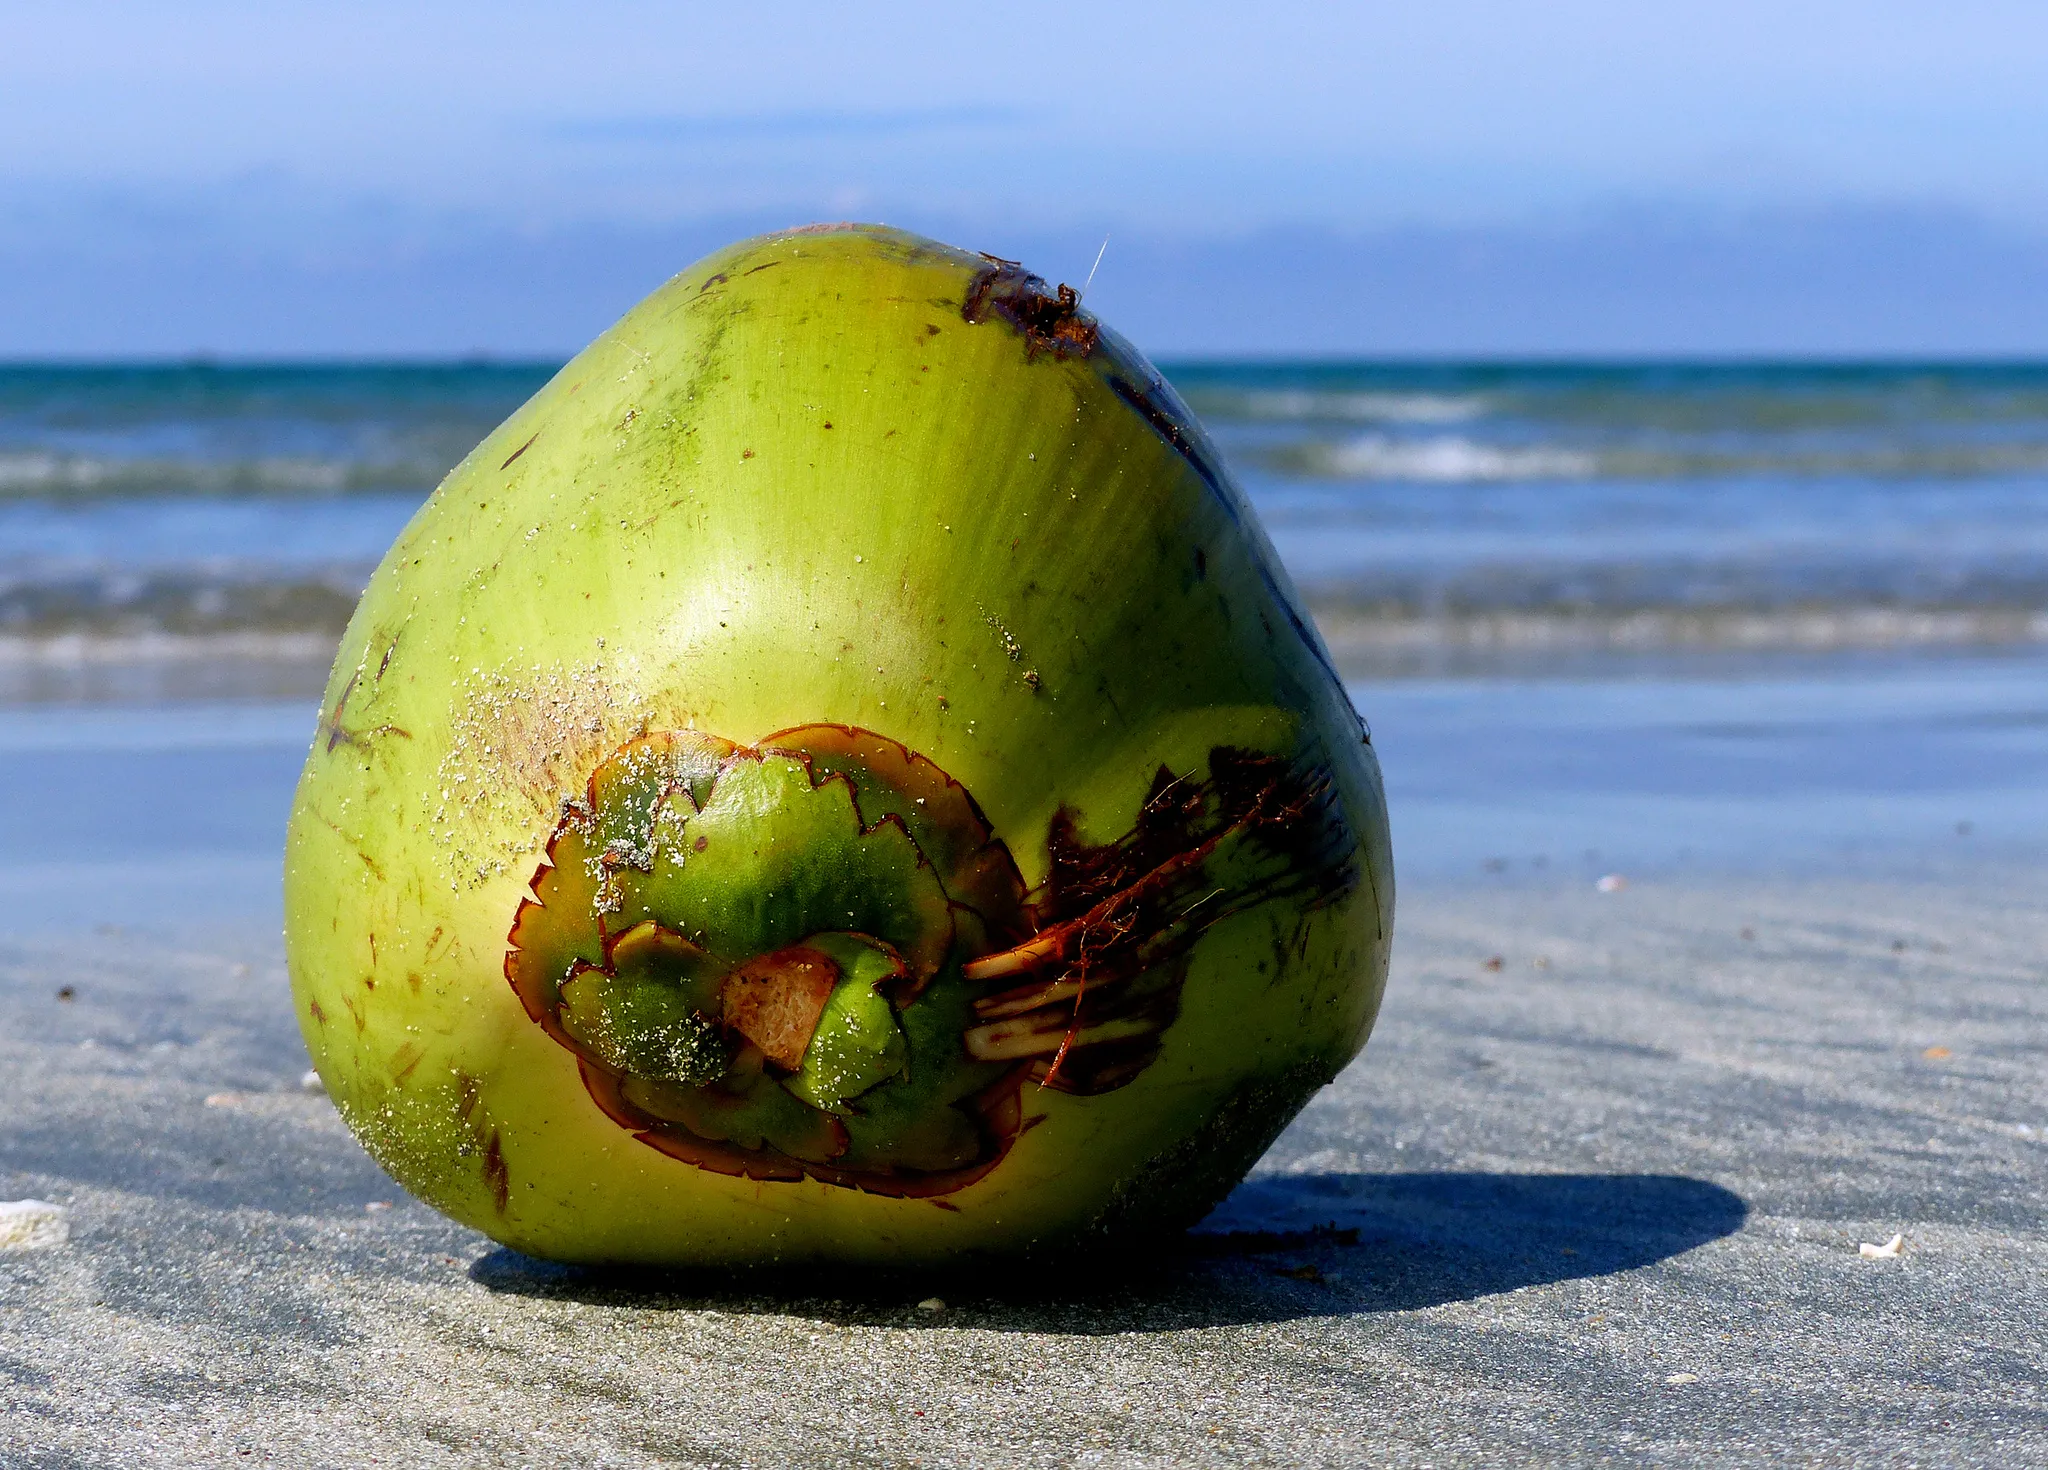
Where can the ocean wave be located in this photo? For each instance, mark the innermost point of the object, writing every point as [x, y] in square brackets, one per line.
[80, 649]
[157, 668]
[38, 473]
[1735, 585]
[130, 603]
[1456, 459]
[1362, 640]
[1304, 405]
[1669, 398]
[1448, 459]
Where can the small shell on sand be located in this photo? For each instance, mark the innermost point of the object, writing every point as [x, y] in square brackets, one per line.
[31, 1224]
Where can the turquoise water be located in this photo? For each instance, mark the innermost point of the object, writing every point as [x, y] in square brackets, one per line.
[1442, 497]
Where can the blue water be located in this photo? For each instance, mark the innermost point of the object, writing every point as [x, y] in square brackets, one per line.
[1605, 490]
[194, 499]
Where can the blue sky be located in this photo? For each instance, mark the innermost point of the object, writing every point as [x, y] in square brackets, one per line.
[1577, 176]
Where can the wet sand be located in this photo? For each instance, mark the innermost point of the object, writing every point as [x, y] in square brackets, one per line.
[1607, 1201]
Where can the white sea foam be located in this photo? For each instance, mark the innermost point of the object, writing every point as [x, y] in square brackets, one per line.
[1384, 408]
[42, 472]
[1446, 458]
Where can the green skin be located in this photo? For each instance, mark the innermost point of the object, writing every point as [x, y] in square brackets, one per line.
[810, 482]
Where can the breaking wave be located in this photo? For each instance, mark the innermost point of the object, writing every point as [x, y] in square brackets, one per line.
[1301, 405]
[1446, 459]
[187, 601]
[1453, 460]
[53, 475]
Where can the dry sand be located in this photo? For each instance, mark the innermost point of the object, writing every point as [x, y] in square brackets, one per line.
[1608, 1199]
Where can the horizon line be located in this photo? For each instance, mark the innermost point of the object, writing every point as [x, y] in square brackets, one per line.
[1187, 361]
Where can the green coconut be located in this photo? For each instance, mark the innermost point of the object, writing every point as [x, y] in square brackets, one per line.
[838, 776]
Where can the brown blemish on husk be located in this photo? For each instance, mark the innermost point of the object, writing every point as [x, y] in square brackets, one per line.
[339, 734]
[1049, 321]
[404, 1062]
[1115, 922]
[519, 451]
[495, 1173]
[482, 1140]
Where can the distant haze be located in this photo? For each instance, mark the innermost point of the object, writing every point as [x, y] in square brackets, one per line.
[1588, 176]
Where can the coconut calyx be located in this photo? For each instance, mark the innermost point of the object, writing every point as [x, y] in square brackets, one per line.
[813, 957]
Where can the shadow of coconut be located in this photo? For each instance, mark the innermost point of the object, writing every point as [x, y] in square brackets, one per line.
[1282, 1247]
[1427, 1239]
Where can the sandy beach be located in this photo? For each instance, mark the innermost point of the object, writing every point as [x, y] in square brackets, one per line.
[1600, 1203]
[1596, 1192]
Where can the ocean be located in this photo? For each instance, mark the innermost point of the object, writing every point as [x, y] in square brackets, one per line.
[1438, 516]
[1511, 515]
[1603, 618]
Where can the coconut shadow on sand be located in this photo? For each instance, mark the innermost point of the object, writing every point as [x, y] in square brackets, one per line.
[1282, 1247]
